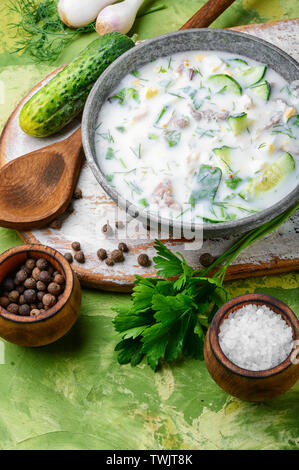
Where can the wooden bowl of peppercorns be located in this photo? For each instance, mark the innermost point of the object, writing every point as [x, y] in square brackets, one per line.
[40, 295]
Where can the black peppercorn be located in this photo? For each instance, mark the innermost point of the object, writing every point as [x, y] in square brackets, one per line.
[36, 273]
[21, 276]
[107, 229]
[40, 295]
[69, 257]
[123, 247]
[143, 260]
[24, 310]
[34, 312]
[206, 259]
[49, 300]
[13, 308]
[29, 296]
[44, 276]
[24, 268]
[30, 264]
[59, 279]
[76, 246]
[21, 299]
[4, 302]
[102, 254]
[13, 296]
[41, 286]
[56, 224]
[109, 262]
[54, 288]
[119, 224]
[117, 256]
[42, 264]
[79, 256]
[77, 194]
[30, 283]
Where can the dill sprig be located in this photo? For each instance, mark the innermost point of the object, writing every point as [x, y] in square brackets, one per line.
[42, 33]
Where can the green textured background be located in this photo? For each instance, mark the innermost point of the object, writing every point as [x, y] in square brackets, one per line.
[73, 394]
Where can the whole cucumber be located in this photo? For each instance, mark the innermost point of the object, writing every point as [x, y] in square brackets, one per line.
[63, 98]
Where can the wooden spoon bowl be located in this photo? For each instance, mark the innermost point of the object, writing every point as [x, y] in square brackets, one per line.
[37, 187]
[55, 322]
[245, 384]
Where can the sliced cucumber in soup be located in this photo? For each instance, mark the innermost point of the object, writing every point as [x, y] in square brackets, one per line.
[237, 62]
[270, 177]
[224, 83]
[294, 120]
[262, 90]
[238, 123]
[224, 155]
[249, 76]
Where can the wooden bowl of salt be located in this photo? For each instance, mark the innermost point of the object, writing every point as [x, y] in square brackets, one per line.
[252, 347]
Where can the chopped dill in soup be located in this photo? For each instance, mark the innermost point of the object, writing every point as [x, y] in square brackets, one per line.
[201, 136]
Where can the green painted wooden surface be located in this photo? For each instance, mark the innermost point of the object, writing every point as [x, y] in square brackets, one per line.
[73, 394]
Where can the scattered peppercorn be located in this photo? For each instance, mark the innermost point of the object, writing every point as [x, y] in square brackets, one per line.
[76, 246]
[109, 262]
[79, 256]
[69, 257]
[77, 194]
[123, 247]
[117, 256]
[206, 259]
[102, 254]
[143, 260]
[56, 224]
[107, 230]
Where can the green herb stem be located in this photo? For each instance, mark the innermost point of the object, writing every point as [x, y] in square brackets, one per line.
[231, 253]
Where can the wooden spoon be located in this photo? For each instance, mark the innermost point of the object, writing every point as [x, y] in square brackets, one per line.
[37, 187]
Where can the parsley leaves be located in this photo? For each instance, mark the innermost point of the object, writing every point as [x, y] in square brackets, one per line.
[167, 318]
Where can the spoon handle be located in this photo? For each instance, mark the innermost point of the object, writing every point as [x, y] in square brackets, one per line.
[207, 14]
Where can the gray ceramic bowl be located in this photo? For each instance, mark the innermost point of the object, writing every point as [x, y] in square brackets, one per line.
[194, 39]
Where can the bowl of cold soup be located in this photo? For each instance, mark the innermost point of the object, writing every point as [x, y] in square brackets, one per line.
[198, 129]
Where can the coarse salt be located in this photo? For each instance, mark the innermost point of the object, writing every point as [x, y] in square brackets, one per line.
[255, 338]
